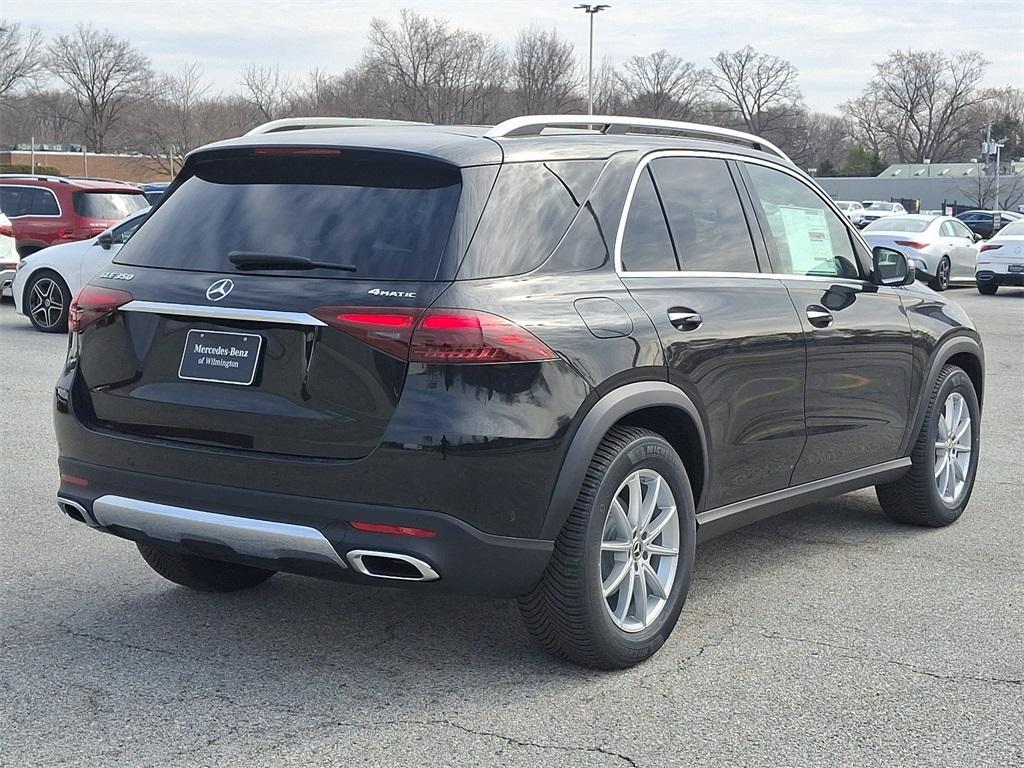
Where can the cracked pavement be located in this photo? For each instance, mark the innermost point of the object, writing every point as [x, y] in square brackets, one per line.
[826, 636]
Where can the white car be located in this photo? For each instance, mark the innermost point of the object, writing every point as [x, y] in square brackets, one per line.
[1001, 259]
[879, 209]
[851, 209]
[8, 254]
[940, 247]
[47, 280]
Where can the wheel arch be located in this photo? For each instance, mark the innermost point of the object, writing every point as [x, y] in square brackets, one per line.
[654, 405]
[962, 351]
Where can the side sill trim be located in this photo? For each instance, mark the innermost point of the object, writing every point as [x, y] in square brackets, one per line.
[222, 313]
[715, 522]
[246, 536]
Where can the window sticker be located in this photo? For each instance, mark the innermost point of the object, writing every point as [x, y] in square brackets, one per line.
[810, 243]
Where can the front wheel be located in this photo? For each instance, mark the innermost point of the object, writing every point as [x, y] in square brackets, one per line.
[938, 486]
[47, 301]
[988, 289]
[621, 566]
[941, 280]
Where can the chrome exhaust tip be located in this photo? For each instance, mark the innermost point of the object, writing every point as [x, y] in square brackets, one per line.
[391, 565]
[76, 511]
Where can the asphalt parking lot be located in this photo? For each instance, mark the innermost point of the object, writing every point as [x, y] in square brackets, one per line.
[826, 636]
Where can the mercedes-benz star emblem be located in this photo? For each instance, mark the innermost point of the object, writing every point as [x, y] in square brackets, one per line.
[220, 289]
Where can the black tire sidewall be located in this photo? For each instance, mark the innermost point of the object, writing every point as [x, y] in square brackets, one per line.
[937, 283]
[62, 324]
[648, 452]
[957, 381]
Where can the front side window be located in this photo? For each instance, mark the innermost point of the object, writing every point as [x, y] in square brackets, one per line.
[809, 237]
[705, 216]
[646, 245]
[123, 232]
[10, 200]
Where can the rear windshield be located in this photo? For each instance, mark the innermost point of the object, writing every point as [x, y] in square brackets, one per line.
[389, 216]
[1013, 230]
[898, 224]
[108, 205]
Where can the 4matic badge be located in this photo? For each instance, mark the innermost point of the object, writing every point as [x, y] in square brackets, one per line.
[397, 294]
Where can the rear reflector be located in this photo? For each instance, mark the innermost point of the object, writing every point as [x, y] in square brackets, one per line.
[990, 247]
[94, 303]
[912, 244]
[81, 482]
[443, 336]
[396, 530]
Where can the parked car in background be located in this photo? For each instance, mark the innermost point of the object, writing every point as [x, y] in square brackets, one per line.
[986, 223]
[49, 210]
[941, 248]
[682, 336]
[1001, 259]
[8, 254]
[47, 281]
[154, 190]
[851, 209]
[879, 209]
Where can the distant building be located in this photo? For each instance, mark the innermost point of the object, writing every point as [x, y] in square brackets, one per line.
[134, 168]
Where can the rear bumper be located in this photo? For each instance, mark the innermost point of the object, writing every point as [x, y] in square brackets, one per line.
[993, 277]
[308, 536]
[6, 279]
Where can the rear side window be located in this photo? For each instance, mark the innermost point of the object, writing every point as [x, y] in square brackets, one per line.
[528, 211]
[108, 205]
[43, 204]
[705, 215]
[646, 245]
[387, 215]
[10, 199]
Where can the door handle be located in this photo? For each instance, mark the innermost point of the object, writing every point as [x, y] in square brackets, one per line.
[818, 316]
[683, 319]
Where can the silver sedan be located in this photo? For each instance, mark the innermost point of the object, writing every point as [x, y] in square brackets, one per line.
[941, 248]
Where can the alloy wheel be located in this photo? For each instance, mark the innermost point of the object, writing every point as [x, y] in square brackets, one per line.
[639, 550]
[46, 302]
[953, 448]
[943, 273]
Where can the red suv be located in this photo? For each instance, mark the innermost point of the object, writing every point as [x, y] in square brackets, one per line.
[47, 210]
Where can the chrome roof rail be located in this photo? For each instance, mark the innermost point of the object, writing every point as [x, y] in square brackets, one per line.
[303, 123]
[533, 125]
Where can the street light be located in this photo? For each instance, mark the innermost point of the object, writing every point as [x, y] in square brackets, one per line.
[591, 10]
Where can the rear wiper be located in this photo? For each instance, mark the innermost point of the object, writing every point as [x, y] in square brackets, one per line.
[256, 260]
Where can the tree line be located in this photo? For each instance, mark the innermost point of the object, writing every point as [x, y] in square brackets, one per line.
[95, 88]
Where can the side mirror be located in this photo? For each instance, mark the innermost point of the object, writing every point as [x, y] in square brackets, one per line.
[105, 240]
[891, 267]
[976, 237]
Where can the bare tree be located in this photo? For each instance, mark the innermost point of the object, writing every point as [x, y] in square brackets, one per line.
[268, 90]
[21, 56]
[106, 75]
[864, 116]
[544, 74]
[662, 85]
[759, 89]
[608, 96]
[923, 103]
[980, 191]
[173, 123]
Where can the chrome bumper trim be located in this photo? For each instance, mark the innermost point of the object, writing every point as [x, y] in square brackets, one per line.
[222, 313]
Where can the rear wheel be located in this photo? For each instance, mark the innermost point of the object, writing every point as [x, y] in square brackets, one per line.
[621, 566]
[938, 486]
[988, 289]
[47, 301]
[941, 280]
[202, 573]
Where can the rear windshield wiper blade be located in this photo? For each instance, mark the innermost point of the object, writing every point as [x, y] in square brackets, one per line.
[257, 260]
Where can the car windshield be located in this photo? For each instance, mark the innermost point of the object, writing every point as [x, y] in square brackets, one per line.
[108, 205]
[882, 207]
[898, 224]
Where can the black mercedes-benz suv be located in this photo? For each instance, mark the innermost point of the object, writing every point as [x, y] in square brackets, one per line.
[541, 360]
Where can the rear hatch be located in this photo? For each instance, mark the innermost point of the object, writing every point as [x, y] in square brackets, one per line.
[246, 296]
[98, 209]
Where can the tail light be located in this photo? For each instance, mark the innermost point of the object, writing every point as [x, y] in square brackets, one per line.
[444, 336]
[7, 229]
[990, 247]
[394, 530]
[94, 303]
[912, 244]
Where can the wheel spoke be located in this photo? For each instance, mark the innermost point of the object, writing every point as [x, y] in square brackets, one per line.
[650, 503]
[615, 546]
[959, 471]
[657, 549]
[614, 581]
[658, 525]
[640, 598]
[619, 516]
[963, 430]
[635, 498]
[940, 465]
[625, 596]
[947, 479]
[651, 577]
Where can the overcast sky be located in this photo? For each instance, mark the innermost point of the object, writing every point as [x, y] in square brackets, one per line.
[832, 42]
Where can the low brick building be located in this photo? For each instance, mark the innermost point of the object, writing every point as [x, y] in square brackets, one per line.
[135, 168]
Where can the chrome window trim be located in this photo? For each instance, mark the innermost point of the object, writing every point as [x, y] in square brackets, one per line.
[794, 172]
[36, 215]
[223, 313]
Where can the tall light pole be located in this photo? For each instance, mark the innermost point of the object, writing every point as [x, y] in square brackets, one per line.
[591, 11]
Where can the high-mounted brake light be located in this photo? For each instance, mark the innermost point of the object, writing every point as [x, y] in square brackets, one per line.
[990, 247]
[395, 530]
[296, 152]
[912, 244]
[444, 336]
[93, 304]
